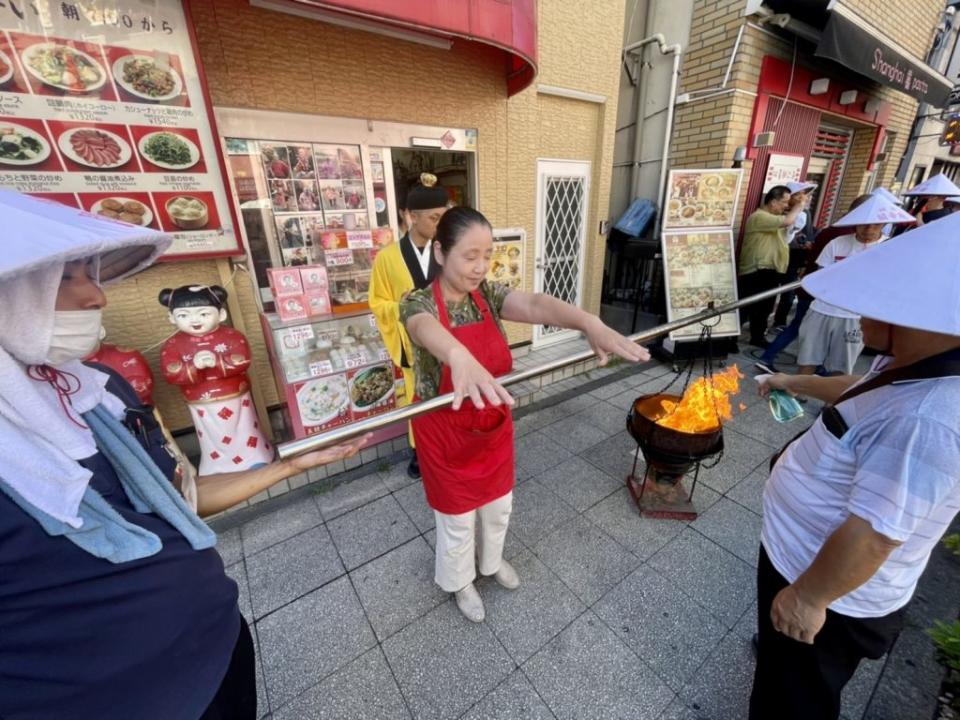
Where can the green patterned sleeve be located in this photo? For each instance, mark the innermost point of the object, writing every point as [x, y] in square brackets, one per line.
[419, 301]
[495, 293]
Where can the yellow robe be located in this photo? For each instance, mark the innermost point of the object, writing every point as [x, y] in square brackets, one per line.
[389, 281]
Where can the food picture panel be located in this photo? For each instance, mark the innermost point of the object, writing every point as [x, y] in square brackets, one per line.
[702, 198]
[372, 391]
[134, 208]
[102, 106]
[506, 262]
[94, 146]
[699, 269]
[323, 403]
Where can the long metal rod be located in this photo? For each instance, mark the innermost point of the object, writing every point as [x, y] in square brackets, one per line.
[341, 434]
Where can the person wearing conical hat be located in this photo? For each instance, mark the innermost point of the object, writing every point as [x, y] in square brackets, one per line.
[399, 269]
[830, 336]
[113, 601]
[932, 193]
[854, 507]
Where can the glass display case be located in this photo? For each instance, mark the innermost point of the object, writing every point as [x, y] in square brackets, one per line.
[332, 371]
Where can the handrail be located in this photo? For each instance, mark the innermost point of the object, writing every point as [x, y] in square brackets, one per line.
[341, 434]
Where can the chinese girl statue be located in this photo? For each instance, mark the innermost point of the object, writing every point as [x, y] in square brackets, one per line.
[209, 362]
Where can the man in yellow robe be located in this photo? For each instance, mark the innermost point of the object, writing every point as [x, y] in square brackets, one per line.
[399, 269]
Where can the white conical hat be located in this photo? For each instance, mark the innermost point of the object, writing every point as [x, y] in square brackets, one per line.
[38, 232]
[912, 280]
[796, 187]
[939, 184]
[876, 210]
[954, 199]
[887, 195]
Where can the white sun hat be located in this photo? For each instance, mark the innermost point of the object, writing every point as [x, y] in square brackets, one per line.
[912, 280]
[875, 211]
[937, 185]
[796, 187]
[954, 199]
[38, 232]
[887, 195]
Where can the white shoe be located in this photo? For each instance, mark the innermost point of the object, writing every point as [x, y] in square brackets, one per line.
[471, 604]
[507, 576]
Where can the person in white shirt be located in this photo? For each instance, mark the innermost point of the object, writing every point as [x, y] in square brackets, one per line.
[830, 336]
[855, 505]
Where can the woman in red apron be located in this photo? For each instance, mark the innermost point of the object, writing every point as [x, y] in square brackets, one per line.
[466, 451]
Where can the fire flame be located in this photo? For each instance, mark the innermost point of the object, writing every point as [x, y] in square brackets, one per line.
[697, 410]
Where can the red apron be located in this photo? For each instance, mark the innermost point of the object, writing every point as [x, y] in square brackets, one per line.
[466, 455]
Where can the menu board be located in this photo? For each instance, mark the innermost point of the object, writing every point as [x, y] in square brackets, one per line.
[506, 264]
[783, 168]
[701, 198]
[699, 269]
[95, 115]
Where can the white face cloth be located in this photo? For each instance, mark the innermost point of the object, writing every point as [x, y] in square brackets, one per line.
[76, 334]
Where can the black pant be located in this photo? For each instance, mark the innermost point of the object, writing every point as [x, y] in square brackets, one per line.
[237, 697]
[795, 681]
[798, 258]
[758, 313]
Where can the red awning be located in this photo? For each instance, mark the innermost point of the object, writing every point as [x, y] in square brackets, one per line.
[510, 25]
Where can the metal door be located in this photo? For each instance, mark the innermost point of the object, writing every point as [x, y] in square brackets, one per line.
[563, 189]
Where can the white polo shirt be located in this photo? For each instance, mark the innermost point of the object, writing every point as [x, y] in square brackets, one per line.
[897, 467]
[840, 248]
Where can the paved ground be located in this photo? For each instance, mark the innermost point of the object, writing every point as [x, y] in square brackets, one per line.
[618, 616]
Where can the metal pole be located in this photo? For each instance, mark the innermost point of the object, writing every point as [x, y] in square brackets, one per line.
[341, 434]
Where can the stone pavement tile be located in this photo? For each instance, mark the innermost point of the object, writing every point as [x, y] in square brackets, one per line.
[397, 588]
[715, 578]
[363, 690]
[238, 573]
[857, 693]
[732, 527]
[679, 711]
[746, 626]
[758, 423]
[537, 511]
[263, 698]
[350, 495]
[605, 416]
[661, 624]
[445, 663]
[721, 686]
[741, 456]
[303, 642]
[578, 483]
[396, 478]
[525, 619]
[576, 434]
[229, 546]
[414, 502]
[587, 559]
[371, 530]
[619, 518]
[614, 455]
[749, 491]
[294, 567]
[537, 452]
[586, 672]
[623, 401]
[266, 530]
[513, 699]
[617, 387]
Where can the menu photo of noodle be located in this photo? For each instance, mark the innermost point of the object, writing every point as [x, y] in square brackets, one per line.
[147, 76]
[699, 269]
[371, 390]
[702, 198]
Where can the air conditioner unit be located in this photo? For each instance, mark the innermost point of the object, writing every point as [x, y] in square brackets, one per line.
[764, 139]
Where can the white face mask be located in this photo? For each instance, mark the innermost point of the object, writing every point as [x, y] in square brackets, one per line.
[76, 334]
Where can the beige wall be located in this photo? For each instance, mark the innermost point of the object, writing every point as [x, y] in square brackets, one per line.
[708, 131]
[267, 60]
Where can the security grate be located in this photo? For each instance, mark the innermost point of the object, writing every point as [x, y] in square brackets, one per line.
[563, 239]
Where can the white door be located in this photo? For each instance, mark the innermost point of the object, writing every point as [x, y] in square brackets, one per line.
[563, 189]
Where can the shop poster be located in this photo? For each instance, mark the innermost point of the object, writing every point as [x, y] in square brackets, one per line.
[783, 168]
[698, 251]
[93, 114]
[701, 198]
[699, 269]
[506, 264]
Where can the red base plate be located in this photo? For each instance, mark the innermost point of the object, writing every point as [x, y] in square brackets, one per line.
[662, 500]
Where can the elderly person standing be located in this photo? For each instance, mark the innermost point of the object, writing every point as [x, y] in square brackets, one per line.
[764, 255]
[113, 601]
[854, 507]
[830, 336]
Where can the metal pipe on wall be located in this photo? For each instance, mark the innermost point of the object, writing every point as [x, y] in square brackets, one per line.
[341, 434]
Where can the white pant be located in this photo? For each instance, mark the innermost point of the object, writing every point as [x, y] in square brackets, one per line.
[456, 566]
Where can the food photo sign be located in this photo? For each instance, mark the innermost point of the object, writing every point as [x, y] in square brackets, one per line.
[506, 263]
[102, 107]
[698, 250]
